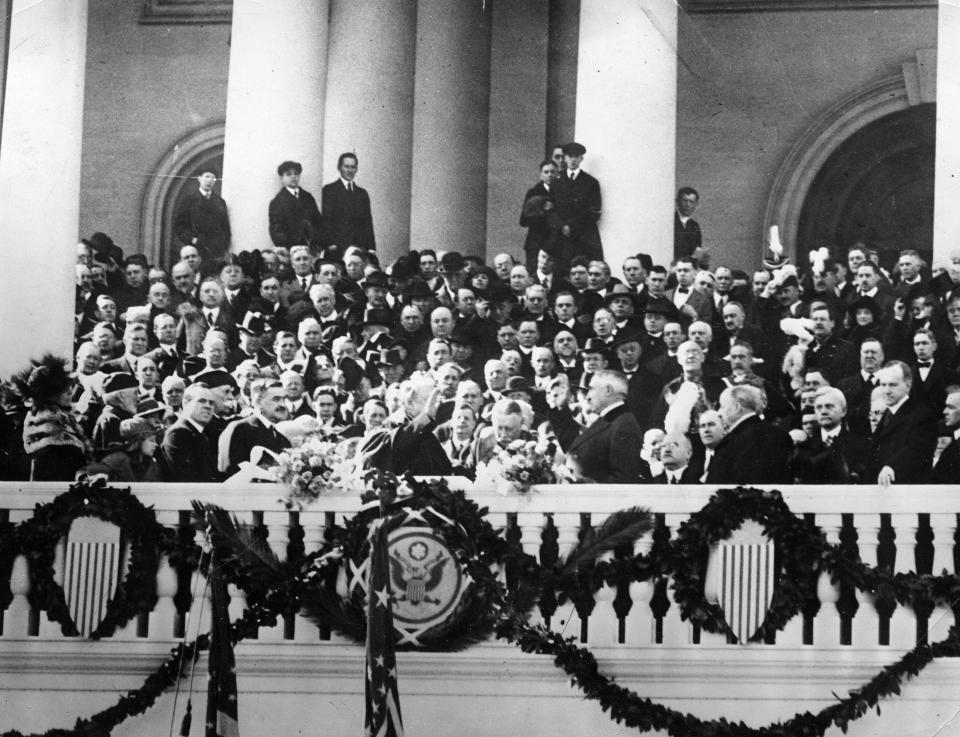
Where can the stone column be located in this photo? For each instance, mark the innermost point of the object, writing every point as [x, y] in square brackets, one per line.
[275, 96]
[517, 140]
[626, 117]
[40, 178]
[369, 109]
[946, 214]
[448, 207]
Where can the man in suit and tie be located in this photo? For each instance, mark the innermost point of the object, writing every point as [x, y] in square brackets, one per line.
[856, 387]
[608, 452]
[301, 261]
[346, 209]
[134, 345]
[833, 454]
[293, 213]
[166, 356]
[201, 219]
[242, 436]
[676, 453]
[931, 376]
[539, 216]
[687, 238]
[753, 451]
[186, 452]
[692, 303]
[947, 468]
[215, 313]
[577, 202]
[902, 447]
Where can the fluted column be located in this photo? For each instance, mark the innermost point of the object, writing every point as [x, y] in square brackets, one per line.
[626, 117]
[369, 108]
[946, 214]
[40, 178]
[448, 207]
[275, 98]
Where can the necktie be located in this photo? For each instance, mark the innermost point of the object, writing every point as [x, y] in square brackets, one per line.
[924, 364]
[350, 187]
[206, 195]
[296, 193]
[303, 282]
[683, 290]
[829, 440]
[210, 318]
[672, 479]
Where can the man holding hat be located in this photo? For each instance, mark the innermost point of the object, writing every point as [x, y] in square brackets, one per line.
[577, 203]
[120, 393]
[294, 215]
[201, 219]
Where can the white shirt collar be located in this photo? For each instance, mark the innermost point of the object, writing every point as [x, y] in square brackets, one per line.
[675, 475]
[607, 410]
[824, 434]
[898, 405]
[346, 184]
[293, 190]
[740, 420]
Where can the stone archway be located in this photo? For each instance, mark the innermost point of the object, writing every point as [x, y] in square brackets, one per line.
[915, 85]
[172, 179]
[876, 188]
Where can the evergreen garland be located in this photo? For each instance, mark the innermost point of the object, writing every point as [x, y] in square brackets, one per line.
[804, 554]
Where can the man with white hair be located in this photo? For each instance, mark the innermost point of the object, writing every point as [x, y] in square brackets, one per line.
[833, 454]
[753, 451]
[608, 452]
[509, 420]
[412, 447]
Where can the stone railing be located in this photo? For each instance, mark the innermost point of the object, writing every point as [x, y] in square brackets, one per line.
[836, 643]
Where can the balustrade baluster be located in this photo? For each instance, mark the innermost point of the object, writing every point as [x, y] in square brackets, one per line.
[903, 621]
[604, 626]
[313, 527]
[638, 624]
[865, 630]
[16, 620]
[275, 527]
[531, 526]
[826, 625]
[944, 527]
[549, 553]
[46, 628]
[566, 619]
[675, 631]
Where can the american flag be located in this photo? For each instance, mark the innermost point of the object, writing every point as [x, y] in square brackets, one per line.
[222, 685]
[383, 700]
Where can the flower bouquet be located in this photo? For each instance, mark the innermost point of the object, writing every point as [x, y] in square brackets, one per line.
[525, 463]
[320, 465]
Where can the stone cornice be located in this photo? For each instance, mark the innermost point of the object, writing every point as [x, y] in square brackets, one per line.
[760, 6]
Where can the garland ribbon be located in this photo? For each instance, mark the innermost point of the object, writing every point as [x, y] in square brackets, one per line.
[804, 556]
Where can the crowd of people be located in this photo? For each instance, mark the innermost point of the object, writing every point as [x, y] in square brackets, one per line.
[832, 371]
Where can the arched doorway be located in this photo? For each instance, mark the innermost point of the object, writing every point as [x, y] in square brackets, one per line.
[877, 187]
[172, 180]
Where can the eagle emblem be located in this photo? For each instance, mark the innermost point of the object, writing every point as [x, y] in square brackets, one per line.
[416, 574]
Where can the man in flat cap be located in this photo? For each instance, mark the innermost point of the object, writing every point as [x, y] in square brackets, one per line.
[346, 209]
[294, 215]
[577, 204]
[201, 219]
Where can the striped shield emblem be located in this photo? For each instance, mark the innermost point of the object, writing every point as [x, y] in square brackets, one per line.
[91, 570]
[740, 578]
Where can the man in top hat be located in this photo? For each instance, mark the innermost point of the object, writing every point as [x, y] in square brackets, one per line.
[294, 215]
[577, 202]
[251, 332]
[346, 209]
[259, 429]
[201, 219]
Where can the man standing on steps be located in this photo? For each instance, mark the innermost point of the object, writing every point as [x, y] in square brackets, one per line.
[346, 210]
[577, 203]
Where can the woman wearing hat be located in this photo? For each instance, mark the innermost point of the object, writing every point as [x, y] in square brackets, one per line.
[135, 460]
[52, 438]
[863, 318]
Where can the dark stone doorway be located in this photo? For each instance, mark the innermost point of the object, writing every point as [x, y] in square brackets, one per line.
[876, 188]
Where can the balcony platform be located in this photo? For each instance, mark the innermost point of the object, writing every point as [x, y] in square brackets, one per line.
[302, 684]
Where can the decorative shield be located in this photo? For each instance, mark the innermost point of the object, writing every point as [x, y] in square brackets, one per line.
[91, 570]
[740, 578]
[426, 578]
